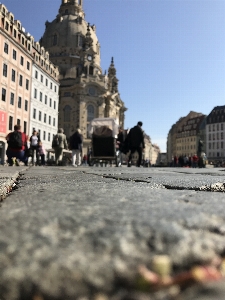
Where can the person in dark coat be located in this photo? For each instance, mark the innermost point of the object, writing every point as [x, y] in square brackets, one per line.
[76, 147]
[136, 143]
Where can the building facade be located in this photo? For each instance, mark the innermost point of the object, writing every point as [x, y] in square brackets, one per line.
[20, 59]
[85, 92]
[15, 76]
[215, 134]
[44, 96]
[184, 135]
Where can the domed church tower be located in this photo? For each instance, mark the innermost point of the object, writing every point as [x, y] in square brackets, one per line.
[85, 92]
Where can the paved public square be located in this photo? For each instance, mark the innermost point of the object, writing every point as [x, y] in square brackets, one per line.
[82, 233]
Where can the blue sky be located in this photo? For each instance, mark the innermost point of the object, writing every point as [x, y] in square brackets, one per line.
[169, 55]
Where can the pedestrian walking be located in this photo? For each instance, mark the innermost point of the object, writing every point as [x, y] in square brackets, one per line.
[58, 144]
[136, 143]
[76, 147]
[17, 143]
[34, 142]
[41, 152]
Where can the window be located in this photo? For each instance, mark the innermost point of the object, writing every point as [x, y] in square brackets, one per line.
[217, 126]
[221, 134]
[218, 136]
[44, 135]
[28, 65]
[27, 84]
[35, 93]
[45, 117]
[3, 94]
[53, 121]
[55, 39]
[79, 40]
[41, 96]
[25, 127]
[90, 113]
[26, 105]
[22, 40]
[210, 137]
[41, 78]
[221, 145]
[49, 120]
[14, 54]
[46, 82]
[4, 70]
[21, 80]
[7, 26]
[18, 122]
[14, 33]
[221, 126]
[6, 48]
[39, 116]
[51, 85]
[21, 60]
[36, 75]
[19, 102]
[34, 113]
[209, 127]
[67, 111]
[13, 78]
[209, 145]
[49, 137]
[50, 102]
[46, 99]
[12, 99]
[10, 123]
[55, 89]
[39, 132]
[54, 105]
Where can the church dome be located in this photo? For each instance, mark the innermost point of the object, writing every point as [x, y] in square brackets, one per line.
[68, 34]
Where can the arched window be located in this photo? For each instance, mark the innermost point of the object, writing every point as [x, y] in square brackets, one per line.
[91, 70]
[90, 112]
[55, 39]
[67, 112]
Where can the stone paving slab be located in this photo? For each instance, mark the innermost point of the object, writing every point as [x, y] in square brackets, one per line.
[72, 233]
[8, 176]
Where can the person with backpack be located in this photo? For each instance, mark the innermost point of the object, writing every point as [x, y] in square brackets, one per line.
[76, 147]
[34, 142]
[58, 144]
[136, 143]
[17, 143]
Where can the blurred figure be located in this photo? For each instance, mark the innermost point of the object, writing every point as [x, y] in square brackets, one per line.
[136, 143]
[41, 152]
[61, 144]
[17, 142]
[34, 142]
[76, 147]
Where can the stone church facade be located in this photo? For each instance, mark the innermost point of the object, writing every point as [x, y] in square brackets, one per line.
[85, 92]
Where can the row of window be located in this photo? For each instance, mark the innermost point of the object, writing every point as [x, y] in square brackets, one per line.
[90, 113]
[215, 154]
[219, 135]
[16, 34]
[218, 145]
[216, 127]
[13, 77]
[36, 75]
[12, 100]
[14, 56]
[46, 99]
[186, 147]
[46, 136]
[11, 124]
[43, 117]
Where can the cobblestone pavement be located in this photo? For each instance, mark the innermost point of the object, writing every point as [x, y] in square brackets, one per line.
[81, 233]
